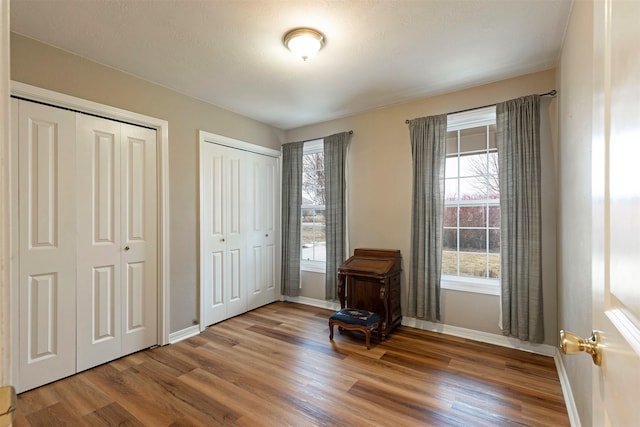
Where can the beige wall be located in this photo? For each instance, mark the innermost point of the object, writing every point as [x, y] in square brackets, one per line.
[380, 166]
[380, 189]
[46, 67]
[574, 213]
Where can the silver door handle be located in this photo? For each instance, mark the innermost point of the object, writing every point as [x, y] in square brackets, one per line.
[126, 248]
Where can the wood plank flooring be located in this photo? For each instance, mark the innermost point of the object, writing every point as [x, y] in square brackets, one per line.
[275, 366]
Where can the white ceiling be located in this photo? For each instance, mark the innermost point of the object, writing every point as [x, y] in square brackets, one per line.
[377, 52]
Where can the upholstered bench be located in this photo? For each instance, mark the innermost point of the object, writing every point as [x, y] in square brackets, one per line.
[354, 319]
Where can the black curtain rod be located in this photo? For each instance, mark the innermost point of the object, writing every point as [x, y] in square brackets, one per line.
[550, 93]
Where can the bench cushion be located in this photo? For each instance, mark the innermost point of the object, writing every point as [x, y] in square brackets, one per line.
[354, 316]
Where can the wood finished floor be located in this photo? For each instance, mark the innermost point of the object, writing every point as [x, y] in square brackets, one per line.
[275, 366]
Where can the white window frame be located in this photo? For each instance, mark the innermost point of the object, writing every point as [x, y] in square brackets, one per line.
[458, 121]
[311, 147]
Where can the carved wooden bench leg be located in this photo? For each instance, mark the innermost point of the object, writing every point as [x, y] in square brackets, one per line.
[356, 320]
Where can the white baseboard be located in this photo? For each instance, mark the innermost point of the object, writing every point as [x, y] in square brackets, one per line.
[572, 410]
[501, 340]
[330, 305]
[183, 334]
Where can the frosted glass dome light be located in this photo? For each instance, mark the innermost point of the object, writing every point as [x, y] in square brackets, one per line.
[304, 42]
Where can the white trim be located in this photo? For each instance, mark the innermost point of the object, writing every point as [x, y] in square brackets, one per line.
[469, 284]
[500, 340]
[183, 334]
[204, 136]
[572, 410]
[329, 305]
[162, 135]
[5, 199]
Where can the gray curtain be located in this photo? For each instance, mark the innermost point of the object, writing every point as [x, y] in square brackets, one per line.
[428, 150]
[291, 217]
[518, 138]
[335, 162]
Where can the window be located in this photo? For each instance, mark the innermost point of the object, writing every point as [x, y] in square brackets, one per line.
[471, 236]
[313, 255]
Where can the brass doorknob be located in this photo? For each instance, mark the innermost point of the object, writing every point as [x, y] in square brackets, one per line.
[570, 343]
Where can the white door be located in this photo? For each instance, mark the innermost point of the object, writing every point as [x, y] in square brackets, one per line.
[116, 244]
[616, 211]
[139, 234]
[262, 233]
[45, 140]
[223, 216]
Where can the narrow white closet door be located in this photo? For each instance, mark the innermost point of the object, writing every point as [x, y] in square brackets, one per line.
[139, 239]
[45, 140]
[225, 206]
[238, 208]
[99, 241]
[271, 222]
[262, 232]
[213, 219]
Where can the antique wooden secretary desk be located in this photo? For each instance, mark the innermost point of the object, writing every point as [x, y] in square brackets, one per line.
[371, 281]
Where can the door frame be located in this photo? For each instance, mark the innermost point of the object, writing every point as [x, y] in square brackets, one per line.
[57, 99]
[205, 137]
[5, 209]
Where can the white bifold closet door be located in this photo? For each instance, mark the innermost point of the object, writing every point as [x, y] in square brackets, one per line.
[238, 227]
[86, 239]
[45, 139]
[117, 235]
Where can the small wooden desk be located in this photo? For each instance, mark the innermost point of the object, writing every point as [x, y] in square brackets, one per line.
[371, 281]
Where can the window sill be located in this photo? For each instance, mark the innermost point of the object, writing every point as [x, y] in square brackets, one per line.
[314, 267]
[477, 286]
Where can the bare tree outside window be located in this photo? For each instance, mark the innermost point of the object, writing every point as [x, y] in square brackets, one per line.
[486, 165]
[313, 179]
[313, 207]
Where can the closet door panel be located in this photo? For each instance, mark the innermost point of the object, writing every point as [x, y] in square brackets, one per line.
[237, 208]
[255, 232]
[272, 206]
[45, 140]
[99, 243]
[213, 227]
[139, 238]
[263, 234]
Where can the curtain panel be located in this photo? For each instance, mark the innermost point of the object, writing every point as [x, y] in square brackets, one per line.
[518, 140]
[428, 151]
[291, 217]
[335, 163]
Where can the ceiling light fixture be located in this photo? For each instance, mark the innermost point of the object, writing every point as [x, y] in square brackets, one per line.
[304, 42]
